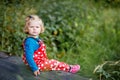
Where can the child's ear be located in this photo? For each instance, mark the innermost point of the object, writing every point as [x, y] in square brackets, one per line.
[42, 29]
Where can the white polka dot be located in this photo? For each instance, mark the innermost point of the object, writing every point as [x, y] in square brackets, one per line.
[55, 63]
[64, 69]
[42, 65]
[58, 62]
[51, 65]
[36, 55]
[43, 49]
[63, 65]
[58, 69]
[68, 67]
[46, 62]
[49, 61]
[53, 69]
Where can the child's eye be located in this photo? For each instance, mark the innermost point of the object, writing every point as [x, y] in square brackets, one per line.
[31, 26]
[37, 27]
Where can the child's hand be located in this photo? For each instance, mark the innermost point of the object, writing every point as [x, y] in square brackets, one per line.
[37, 72]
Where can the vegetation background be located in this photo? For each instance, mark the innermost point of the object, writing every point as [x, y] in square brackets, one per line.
[85, 32]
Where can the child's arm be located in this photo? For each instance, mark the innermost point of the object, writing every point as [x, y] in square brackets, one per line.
[30, 47]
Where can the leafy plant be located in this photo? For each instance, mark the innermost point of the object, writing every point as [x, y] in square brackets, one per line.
[109, 70]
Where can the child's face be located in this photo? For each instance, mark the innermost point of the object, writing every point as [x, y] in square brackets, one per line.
[34, 28]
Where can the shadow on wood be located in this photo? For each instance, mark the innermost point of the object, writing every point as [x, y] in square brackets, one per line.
[12, 68]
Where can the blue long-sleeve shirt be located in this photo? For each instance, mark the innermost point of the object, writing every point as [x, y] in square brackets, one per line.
[30, 46]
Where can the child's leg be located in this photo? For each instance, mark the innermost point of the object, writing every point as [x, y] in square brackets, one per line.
[54, 65]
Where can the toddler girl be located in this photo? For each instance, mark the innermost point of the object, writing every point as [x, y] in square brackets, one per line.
[35, 50]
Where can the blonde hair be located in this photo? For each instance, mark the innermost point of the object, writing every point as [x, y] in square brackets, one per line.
[31, 18]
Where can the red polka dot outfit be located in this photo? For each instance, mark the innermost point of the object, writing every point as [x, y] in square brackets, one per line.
[45, 64]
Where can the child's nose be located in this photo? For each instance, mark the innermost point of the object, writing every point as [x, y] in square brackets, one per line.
[34, 28]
